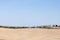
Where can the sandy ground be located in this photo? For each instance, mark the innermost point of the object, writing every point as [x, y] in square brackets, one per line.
[29, 34]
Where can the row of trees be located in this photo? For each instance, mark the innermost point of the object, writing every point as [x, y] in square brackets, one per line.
[45, 26]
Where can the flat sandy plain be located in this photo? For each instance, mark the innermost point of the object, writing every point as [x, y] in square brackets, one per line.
[29, 34]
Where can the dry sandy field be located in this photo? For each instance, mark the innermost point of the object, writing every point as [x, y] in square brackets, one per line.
[29, 34]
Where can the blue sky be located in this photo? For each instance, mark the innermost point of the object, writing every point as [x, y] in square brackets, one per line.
[29, 12]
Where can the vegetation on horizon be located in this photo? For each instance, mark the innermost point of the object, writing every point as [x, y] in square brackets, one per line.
[47, 26]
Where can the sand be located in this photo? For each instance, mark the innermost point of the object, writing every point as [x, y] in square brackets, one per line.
[29, 34]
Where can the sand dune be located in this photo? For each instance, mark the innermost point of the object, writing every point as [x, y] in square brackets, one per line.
[29, 34]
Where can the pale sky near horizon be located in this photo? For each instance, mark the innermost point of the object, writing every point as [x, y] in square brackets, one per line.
[29, 12]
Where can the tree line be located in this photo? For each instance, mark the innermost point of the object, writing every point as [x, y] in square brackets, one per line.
[45, 26]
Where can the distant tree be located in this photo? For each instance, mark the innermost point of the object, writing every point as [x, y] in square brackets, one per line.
[55, 25]
[32, 27]
[39, 27]
[1, 26]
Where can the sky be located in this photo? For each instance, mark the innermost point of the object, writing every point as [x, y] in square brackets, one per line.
[29, 12]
